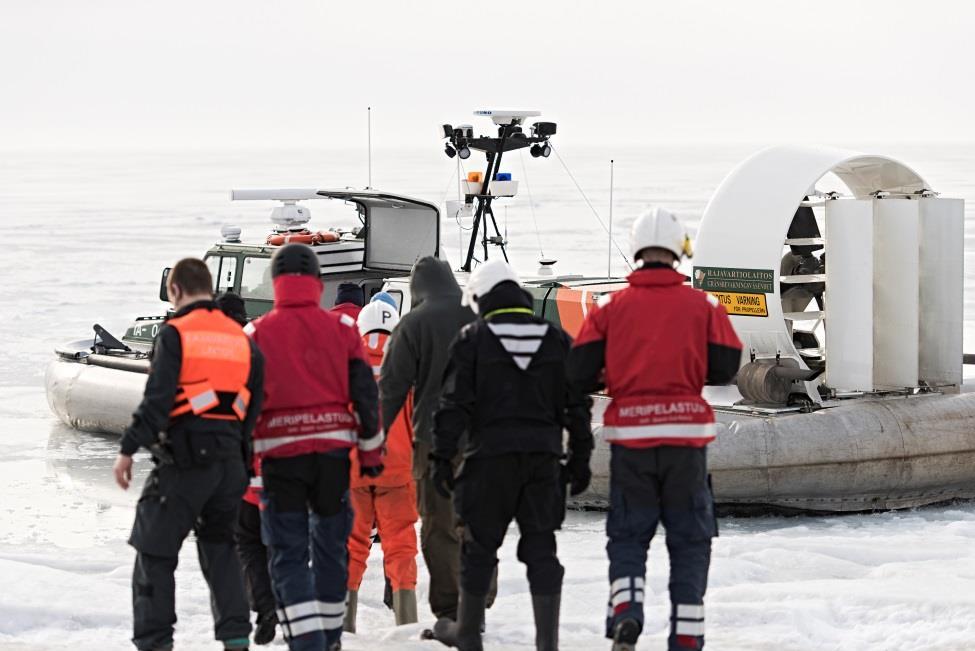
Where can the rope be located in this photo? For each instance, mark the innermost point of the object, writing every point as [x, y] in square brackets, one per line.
[626, 258]
[531, 201]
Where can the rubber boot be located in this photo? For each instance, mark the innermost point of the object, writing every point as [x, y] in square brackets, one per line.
[266, 628]
[404, 607]
[546, 607]
[465, 633]
[351, 604]
[625, 635]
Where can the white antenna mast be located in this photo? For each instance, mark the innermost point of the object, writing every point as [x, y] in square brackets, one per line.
[609, 250]
[369, 145]
[458, 216]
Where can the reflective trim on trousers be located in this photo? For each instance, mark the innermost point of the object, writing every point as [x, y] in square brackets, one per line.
[689, 619]
[309, 616]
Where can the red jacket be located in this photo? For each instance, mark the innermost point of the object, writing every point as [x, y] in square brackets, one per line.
[319, 393]
[348, 308]
[398, 461]
[660, 342]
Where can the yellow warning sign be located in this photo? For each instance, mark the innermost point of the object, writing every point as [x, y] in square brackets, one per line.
[742, 304]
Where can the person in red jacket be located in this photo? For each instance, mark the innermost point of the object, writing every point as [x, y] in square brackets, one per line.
[320, 402]
[387, 501]
[654, 345]
[348, 300]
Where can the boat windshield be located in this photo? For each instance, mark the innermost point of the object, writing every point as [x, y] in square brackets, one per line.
[255, 279]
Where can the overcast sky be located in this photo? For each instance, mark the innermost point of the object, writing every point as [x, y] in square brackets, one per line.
[249, 73]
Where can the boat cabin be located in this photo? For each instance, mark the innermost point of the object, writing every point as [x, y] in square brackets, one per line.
[392, 233]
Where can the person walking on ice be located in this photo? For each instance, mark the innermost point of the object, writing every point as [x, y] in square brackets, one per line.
[320, 402]
[653, 346]
[387, 501]
[506, 393]
[200, 404]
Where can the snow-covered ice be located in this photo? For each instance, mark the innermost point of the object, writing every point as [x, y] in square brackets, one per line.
[884, 581]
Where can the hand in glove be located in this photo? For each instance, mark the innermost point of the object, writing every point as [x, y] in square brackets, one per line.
[577, 473]
[371, 462]
[161, 453]
[443, 476]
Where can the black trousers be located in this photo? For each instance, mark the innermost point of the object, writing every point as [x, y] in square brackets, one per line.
[175, 501]
[493, 491]
[253, 559]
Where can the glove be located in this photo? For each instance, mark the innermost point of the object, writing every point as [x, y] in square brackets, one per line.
[443, 476]
[161, 453]
[577, 473]
[371, 462]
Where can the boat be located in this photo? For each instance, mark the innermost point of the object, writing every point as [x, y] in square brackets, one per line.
[875, 416]
[95, 384]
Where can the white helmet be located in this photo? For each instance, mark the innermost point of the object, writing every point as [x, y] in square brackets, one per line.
[485, 278]
[377, 315]
[659, 228]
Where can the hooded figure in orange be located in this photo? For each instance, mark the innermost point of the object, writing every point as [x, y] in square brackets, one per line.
[387, 502]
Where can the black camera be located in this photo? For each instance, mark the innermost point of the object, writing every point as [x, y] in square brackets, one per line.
[543, 129]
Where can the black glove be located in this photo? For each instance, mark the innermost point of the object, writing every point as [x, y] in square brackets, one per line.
[371, 471]
[443, 476]
[577, 473]
[161, 453]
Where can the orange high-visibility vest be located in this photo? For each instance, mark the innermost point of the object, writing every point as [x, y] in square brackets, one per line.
[215, 367]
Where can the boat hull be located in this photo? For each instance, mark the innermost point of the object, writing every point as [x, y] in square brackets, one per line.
[93, 398]
[868, 455]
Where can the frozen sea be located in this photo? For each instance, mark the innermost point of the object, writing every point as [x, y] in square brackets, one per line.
[85, 237]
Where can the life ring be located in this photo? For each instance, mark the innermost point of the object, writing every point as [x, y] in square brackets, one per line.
[302, 237]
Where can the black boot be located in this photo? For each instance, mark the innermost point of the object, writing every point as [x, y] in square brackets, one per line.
[265, 628]
[625, 635]
[465, 633]
[546, 607]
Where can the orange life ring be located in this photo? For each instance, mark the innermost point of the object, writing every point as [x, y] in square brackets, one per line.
[302, 237]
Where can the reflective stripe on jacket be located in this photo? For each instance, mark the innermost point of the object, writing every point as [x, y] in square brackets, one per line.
[315, 400]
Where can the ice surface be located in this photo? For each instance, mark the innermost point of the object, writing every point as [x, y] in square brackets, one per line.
[885, 581]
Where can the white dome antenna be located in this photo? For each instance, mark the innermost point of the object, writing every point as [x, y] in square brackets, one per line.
[507, 117]
[289, 216]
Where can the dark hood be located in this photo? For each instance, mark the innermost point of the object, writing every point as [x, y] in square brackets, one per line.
[504, 295]
[432, 278]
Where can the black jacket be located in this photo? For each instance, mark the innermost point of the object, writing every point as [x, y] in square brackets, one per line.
[186, 434]
[506, 385]
[417, 352]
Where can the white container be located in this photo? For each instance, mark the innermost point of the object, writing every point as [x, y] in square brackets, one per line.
[497, 189]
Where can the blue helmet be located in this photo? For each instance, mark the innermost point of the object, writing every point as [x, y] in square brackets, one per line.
[385, 297]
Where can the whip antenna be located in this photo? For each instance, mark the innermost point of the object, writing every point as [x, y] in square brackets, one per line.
[592, 208]
[369, 143]
[609, 246]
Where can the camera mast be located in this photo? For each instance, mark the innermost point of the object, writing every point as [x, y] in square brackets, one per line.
[484, 189]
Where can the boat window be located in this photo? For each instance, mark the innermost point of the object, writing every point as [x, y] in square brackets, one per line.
[255, 279]
[398, 295]
[224, 272]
